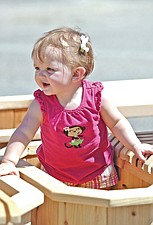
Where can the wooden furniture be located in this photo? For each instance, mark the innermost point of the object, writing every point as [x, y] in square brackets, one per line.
[131, 201]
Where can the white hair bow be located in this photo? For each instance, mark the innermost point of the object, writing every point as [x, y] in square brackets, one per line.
[84, 41]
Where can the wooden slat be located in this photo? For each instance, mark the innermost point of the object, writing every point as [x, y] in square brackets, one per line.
[129, 97]
[148, 165]
[19, 115]
[5, 135]
[10, 191]
[11, 118]
[130, 215]
[3, 216]
[136, 110]
[131, 171]
[15, 102]
[6, 119]
[145, 137]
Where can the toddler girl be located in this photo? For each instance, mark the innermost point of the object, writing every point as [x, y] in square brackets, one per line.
[73, 115]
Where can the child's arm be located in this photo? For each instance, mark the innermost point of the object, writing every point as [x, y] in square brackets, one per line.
[21, 138]
[122, 129]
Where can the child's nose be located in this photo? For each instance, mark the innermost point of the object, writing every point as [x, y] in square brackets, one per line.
[42, 73]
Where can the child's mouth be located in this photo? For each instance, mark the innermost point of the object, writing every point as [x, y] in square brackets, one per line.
[45, 84]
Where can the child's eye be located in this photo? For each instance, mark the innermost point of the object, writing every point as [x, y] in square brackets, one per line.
[50, 70]
[36, 68]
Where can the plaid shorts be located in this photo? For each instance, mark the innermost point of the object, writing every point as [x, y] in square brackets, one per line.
[107, 179]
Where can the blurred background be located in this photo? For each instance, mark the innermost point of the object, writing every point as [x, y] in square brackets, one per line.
[121, 33]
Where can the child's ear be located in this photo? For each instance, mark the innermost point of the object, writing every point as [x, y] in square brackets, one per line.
[79, 73]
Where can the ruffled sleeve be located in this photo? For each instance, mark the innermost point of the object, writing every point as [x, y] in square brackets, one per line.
[98, 94]
[39, 96]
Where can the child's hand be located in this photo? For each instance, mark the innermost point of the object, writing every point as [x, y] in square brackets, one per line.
[143, 150]
[8, 168]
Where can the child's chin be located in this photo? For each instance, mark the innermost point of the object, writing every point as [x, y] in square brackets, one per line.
[48, 92]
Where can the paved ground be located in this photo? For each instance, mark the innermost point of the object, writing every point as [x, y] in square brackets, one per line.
[121, 32]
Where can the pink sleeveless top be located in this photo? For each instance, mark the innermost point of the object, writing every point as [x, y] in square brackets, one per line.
[75, 146]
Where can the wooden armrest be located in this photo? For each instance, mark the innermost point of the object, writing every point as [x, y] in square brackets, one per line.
[17, 197]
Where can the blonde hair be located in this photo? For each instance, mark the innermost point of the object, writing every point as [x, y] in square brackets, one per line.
[68, 42]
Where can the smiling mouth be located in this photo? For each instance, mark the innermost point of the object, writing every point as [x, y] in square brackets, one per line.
[45, 84]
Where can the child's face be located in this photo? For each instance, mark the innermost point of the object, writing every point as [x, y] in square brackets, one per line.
[52, 75]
